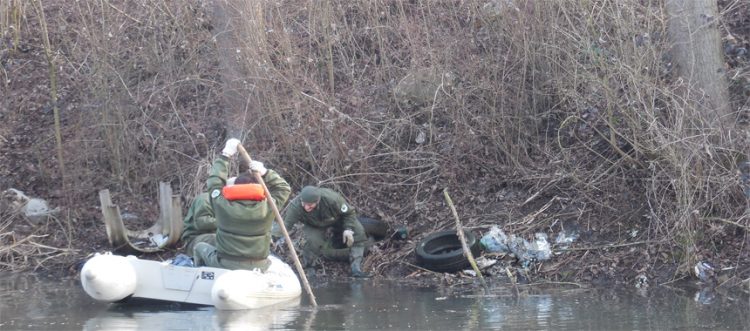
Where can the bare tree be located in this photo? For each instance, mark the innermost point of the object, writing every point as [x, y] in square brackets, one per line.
[697, 54]
[233, 76]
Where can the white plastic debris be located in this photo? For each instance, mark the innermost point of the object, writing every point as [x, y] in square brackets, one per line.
[498, 7]
[421, 137]
[34, 209]
[158, 239]
[495, 241]
[565, 238]
[484, 263]
[641, 281]
[704, 271]
[540, 248]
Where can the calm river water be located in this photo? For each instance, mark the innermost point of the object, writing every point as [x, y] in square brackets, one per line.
[31, 303]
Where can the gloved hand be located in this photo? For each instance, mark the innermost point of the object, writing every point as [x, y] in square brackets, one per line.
[258, 167]
[348, 237]
[230, 148]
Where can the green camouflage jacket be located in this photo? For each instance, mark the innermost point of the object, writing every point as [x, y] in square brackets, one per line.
[244, 226]
[331, 210]
[199, 219]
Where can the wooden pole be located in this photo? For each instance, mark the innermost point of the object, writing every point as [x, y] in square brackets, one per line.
[460, 230]
[53, 92]
[280, 221]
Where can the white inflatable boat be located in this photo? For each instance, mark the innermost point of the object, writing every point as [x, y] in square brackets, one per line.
[112, 278]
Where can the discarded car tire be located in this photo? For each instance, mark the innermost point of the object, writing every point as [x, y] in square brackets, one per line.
[376, 229]
[441, 251]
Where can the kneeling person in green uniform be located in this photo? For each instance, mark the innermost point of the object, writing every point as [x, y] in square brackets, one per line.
[199, 224]
[319, 209]
[243, 215]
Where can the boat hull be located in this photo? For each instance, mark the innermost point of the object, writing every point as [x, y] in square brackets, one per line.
[112, 278]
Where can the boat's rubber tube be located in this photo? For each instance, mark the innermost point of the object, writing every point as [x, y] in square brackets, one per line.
[109, 278]
[252, 289]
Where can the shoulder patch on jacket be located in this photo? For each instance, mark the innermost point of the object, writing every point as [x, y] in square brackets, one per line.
[215, 193]
[344, 208]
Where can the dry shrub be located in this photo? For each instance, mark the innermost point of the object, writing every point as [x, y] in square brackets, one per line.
[569, 98]
[580, 91]
[25, 245]
[149, 93]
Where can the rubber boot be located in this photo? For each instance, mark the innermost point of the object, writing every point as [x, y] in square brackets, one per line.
[310, 261]
[357, 254]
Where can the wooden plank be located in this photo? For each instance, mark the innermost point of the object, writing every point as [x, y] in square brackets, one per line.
[116, 232]
[175, 231]
[165, 207]
[105, 200]
[168, 224]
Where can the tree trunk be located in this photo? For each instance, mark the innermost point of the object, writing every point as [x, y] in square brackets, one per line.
[233, 78]
[693, 27]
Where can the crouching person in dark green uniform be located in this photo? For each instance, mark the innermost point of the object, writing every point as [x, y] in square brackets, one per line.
[243, 215]
[199, 224]
[319, 209]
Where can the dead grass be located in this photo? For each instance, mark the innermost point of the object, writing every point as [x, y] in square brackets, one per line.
[512, 105]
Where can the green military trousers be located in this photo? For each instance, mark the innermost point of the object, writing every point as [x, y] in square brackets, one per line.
[207, 255]
[317, 245]
[209, 238]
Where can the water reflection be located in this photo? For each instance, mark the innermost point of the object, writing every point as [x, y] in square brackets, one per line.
[31, 303]
[167, 316]
[259, 319]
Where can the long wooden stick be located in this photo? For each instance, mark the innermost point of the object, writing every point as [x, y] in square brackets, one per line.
[280, 221]
[52, 91]
[460, 231]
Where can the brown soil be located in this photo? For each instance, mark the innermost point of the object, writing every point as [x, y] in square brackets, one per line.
[616, 242]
